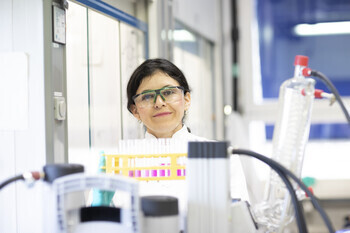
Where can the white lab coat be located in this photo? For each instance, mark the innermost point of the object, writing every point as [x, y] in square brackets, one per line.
[182, 134]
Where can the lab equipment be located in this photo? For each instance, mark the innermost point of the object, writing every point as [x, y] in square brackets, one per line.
[67, 210]
[208, 187]
[28, 177]
[284, 173]
[158, 164]
[160, 214]
[335, 94]
[149, 159]
[241, 218]
[289, 140]
[209, 207]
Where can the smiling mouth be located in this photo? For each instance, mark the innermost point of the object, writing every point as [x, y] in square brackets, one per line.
[162, 114]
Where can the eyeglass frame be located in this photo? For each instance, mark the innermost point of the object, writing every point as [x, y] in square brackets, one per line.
[157, 91]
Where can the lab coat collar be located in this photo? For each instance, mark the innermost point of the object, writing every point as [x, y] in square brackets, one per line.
[182, 133]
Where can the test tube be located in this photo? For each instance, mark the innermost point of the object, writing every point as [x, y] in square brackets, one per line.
[162, 171]
[168, 164]
[161, 145]
[178, 160]
[131, 167]
[146, 162]
[137, 165]
[184, 161]
[154, 163]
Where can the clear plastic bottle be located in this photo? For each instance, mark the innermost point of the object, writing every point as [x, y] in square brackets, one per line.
[289, 140]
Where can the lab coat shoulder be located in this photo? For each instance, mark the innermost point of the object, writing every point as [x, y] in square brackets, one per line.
[192, 137]
[183, 134]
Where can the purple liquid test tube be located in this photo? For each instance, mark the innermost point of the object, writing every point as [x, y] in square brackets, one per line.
[178, 172]
[146, 173]
[162, 171]
[154, 173]
[137, 173]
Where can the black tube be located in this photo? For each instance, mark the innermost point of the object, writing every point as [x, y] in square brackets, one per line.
[330, 85]
[298, 210]
[275, 164]
[10, 180]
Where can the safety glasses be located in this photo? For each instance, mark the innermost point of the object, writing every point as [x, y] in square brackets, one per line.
[168, 94]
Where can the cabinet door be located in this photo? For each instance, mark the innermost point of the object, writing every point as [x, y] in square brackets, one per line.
[132, 43]
[104, 81]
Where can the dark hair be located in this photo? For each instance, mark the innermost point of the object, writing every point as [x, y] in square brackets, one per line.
[148, 68]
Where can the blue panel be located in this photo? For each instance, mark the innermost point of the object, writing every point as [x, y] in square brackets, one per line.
[112, 11]
[320, 131]
[278, 45]
[327, 54]
[269, 131]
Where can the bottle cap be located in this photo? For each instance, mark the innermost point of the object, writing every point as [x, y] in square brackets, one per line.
[159, 205]
[309, 181]
[301, 60]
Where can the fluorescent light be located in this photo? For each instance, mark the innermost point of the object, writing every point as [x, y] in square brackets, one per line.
[183, 35]
[320, 29]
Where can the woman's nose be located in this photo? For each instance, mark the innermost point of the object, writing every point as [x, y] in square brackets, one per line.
[159, 102]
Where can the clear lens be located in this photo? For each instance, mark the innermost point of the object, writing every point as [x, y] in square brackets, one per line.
[148, 97]
[170, 93]
[167, 94]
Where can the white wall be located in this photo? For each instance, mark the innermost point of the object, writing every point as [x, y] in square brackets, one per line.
[21, 29]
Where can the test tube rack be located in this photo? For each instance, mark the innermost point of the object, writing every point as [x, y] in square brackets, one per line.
[147, 167]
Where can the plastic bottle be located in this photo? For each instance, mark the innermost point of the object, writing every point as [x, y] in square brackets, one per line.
[102, 197]
[290, 136]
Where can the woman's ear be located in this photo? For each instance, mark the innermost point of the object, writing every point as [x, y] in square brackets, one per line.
[187, 98]
[135, 112]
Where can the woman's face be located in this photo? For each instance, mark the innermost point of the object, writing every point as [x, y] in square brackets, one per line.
[161, 119]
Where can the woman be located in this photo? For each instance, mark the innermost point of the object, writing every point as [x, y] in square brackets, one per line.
[159, 97]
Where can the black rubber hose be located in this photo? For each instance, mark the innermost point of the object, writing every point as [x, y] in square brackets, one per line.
[330, 85]
[10, 180]
[273, 163]
[299, 216]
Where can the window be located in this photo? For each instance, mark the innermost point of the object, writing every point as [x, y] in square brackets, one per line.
[101, 53]
[317, 29]
[193, 55]
[267, 47]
